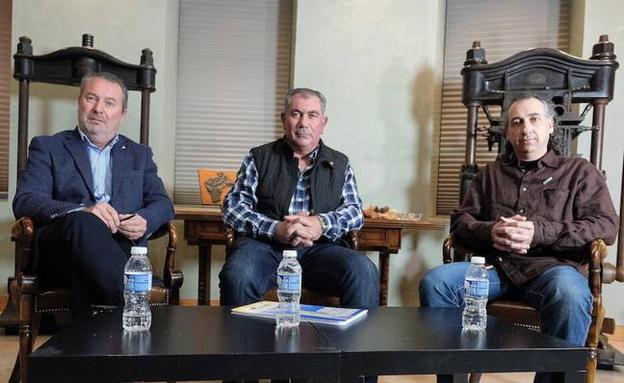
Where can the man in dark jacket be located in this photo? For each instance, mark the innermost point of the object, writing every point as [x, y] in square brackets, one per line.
[92, 193]
[532, 214]
[296, 192]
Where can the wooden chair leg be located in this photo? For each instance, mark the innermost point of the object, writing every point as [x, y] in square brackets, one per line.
[592, 364]
[28, 332]
[25, 348]
[592, 358]
[593, 338]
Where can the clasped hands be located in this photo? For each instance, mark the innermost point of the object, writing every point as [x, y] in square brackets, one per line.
[513, 234]
[300, 229]
[132, 226]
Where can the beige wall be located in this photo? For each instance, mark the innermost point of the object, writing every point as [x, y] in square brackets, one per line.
[380, 65]
[378, 62]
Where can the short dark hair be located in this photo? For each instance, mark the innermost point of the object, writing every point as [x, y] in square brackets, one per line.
[307, 92]
[549, 107]
[110, 78]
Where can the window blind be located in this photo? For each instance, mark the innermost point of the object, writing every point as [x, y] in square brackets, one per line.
[504, 27]
[5, 94]
[233, 71]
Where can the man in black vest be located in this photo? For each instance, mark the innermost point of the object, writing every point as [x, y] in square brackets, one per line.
[296, 192]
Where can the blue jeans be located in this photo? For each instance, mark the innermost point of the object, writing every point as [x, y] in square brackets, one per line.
[561, 295]
[328, 268]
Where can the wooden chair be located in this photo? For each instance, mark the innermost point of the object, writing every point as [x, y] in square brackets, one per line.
[567, 81]
[67, 67]
[307, 296]
[521, 314]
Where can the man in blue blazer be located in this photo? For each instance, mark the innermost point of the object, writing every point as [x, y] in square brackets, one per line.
[93, 194]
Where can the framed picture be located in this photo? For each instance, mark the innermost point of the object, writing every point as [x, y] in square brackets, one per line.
[214, 185]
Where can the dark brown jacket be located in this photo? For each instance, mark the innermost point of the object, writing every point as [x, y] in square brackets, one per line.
[566, 198]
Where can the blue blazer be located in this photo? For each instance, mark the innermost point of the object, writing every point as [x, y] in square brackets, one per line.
[58, 179]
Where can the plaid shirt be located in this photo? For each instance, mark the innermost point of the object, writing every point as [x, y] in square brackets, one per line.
[239, 205]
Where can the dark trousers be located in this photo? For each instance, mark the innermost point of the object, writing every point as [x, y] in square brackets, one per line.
[79, 251]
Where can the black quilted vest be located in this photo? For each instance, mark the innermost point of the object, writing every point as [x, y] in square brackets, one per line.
[277, 178]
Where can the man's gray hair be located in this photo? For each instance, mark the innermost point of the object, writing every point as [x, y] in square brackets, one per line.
[549, 107]
[306, 92]
[110, 78]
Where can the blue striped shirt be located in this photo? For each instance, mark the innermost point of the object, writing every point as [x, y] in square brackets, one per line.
[240, 203]
[101, 168]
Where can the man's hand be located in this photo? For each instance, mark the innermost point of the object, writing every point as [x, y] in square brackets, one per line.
[107, 214]
[513, 234]
[132, 226]
[301, 229]
[286, 232]
[312, 229]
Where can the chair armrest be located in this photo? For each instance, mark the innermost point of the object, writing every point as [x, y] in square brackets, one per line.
[25, 286]
[454, 252]
[172, 278]
[172, 245]
[597, 272]
[23, 234]
[595, 277]
[352, 239]
[230, 237]
[23, 230]
[447, 249]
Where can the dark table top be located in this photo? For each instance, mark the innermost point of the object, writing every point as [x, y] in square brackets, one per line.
[405, 340]
[208, 343]
[184, 343]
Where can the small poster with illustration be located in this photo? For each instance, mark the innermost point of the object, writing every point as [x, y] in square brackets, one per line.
[214, 185]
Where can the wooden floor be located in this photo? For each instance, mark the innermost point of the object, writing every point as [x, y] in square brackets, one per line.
[9, 346]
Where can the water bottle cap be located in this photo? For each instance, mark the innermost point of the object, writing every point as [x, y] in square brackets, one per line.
[477, 260]
[138, 250]
[289, 253]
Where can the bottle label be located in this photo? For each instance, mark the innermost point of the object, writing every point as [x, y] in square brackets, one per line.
[476, 287]
[138, 282]
[289, 282]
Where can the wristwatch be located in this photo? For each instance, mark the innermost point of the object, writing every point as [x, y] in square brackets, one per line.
[324, 225]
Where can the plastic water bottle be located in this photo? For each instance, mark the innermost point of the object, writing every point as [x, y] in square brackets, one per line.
[288, 290]
[476, 287]
[137, 285]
